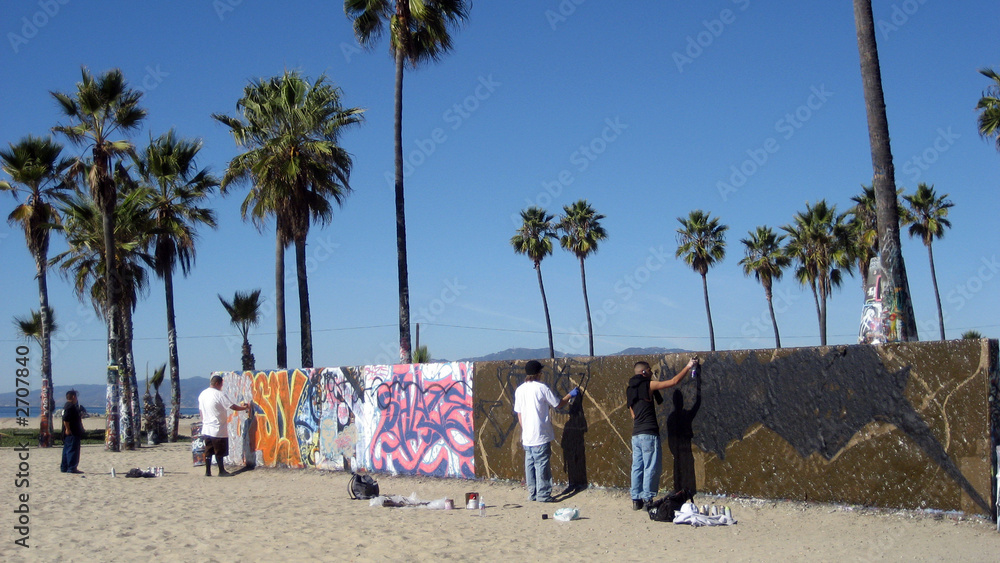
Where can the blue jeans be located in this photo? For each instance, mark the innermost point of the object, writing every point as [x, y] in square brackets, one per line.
[70, 454]
[537, 473]
[646, 466]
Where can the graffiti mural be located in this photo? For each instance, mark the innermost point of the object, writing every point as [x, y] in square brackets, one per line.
[238, 387]
[339, 390]
[277, 398]
[416, 419]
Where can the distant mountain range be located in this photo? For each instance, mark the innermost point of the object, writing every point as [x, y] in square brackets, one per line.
[93, 395]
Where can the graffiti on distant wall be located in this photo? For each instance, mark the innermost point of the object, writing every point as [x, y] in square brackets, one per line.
[409, 419]
[238, 388]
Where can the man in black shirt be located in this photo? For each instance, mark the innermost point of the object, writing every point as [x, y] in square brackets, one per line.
[72, 434]
[646, 452]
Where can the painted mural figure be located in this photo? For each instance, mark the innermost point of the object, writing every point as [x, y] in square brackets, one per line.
[647, 455]
[532, 401]
[212, 404]
[73, 432]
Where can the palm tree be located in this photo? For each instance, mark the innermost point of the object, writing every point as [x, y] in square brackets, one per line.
[818, 239]
[766, 260]
[534, 239]
[154, 413]
[167, 167]
[35, 167]
[85, 262]
[102, 108]
[291, 130]
[582, 230]
[418, 33]
[884, 180]
[421, 355]
[244, 313]
[863, 230]
[701, 242]
[30, 327]
[929, 220]
[989, 107]
[971, 335]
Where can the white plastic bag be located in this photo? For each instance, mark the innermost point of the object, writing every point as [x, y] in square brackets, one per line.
[566, 514]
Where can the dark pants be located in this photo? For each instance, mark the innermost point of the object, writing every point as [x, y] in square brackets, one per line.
[71, 453]
[218, 447]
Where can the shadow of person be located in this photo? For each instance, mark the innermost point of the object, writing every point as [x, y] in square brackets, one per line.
[680, 434]
[574, 448]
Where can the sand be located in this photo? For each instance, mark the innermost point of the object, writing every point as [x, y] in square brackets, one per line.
[306, 515]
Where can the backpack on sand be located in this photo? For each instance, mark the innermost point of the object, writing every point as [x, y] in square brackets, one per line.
[362, 487]
[663, 509]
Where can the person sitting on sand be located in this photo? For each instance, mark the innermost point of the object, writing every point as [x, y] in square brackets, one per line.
[214, 415]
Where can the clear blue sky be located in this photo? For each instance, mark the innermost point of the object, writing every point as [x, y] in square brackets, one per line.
[643, 113]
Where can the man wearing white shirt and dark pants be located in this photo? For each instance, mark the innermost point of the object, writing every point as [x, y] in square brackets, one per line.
[532, 401]
[214, 406]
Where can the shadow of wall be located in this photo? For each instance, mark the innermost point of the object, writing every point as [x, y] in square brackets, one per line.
[901, 425]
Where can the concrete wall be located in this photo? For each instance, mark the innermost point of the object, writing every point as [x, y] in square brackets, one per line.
[901, 425]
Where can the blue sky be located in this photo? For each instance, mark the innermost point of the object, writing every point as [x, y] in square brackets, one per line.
[743, 108]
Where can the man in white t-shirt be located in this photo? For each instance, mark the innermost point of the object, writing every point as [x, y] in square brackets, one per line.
[214, 406]
[532, 401]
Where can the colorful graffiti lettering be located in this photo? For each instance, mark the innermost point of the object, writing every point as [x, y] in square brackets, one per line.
[277, 396]
[238, 388]
[423, 421]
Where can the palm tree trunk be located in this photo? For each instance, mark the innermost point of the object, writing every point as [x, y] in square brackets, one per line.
[824, 294]
[129, 397]
[819, 316]
[586, 306]
[305, 320]
[545, 305]
[248, 360]
[774, 321]
[172, 357]
[937, 294]
[708, 310]
[48, 401]
[887, 213]
[112, 437]
[279, 297]
[404, 284]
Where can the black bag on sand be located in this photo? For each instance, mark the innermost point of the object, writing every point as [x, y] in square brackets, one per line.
[663, 509]
[362, 487]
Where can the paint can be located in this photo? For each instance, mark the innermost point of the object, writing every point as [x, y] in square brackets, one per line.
[112, 470]
[472, 501]
[449, 504]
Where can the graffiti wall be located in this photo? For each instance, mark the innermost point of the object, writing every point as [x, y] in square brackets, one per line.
[901, 425]
[405, 419]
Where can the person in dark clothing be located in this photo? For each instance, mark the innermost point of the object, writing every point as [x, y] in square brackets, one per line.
[647, 456]
[72, 434]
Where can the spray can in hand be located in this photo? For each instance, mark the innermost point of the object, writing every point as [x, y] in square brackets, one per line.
[694, 368]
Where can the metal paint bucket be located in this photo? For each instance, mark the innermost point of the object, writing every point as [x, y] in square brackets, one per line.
[472, 501]
[449, 504]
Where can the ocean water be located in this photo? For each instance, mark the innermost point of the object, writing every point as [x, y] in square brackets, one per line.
[11, 412]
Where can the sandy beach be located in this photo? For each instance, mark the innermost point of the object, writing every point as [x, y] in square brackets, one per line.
[306, 515]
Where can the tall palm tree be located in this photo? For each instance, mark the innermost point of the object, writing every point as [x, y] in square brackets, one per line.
[581, 230]
[178, 189]
[84, 261]
[766, 260]
[419, 31]
[701, 242]
[291, 130]
[929, 214]
[35, 167]
[863, 230]
[884, 179]
[534, 239]
[989, 107]
[101, 109]
[818, 239]
[244, 313]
